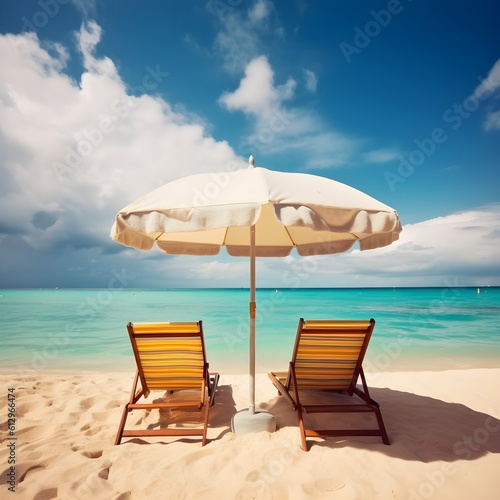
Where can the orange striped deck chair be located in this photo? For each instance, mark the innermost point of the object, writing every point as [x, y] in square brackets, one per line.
[328, 357]
[170, 358]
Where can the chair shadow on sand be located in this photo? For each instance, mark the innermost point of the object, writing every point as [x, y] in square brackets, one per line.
[221, 412]
[420, 428]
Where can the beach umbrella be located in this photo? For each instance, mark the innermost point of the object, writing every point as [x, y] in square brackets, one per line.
[255, 212]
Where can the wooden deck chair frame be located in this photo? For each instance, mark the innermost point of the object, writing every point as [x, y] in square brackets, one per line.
[170, 357]
[328, 356]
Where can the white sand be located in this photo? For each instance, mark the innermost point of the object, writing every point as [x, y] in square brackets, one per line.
[444, 429]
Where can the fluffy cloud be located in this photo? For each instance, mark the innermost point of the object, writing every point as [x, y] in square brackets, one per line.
[458, 249]
[256, 93]
[281, 128]
[74, 152]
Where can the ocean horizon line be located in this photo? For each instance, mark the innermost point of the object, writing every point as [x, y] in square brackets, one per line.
[117, 289]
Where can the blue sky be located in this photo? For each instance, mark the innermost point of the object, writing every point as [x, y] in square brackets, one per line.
[102, 101]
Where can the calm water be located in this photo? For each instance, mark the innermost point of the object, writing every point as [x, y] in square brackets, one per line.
[416, 328]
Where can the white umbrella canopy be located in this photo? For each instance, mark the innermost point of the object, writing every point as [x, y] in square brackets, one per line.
[198, 214]
[255, 212]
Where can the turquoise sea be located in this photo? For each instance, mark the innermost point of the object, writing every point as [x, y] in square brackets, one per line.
[416, 328]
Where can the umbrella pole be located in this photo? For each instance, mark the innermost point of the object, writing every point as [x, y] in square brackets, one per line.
[252, 320]
[249, 421]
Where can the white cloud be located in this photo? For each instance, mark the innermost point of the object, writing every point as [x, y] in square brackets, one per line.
[87, 7]
[380, 155]
[239, 38]
[490, 86]
[279, 128]
[320, 149]
[311, 80]
[460, 248]
[259, 12]
[462, 239]
[219, 271]
[492, 121]
[491, 83]
[74, 153]
[236, 42]
[88, 38]
[256, 93]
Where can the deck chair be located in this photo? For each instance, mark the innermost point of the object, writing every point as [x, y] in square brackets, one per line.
[327, 357]
[170, 357]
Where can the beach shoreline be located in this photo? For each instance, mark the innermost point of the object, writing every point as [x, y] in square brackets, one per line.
[393, 360]
[444, 429]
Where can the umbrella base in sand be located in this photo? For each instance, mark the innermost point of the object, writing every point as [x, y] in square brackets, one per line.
[245, 422]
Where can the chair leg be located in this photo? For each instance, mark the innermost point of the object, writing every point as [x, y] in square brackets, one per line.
[205, 423]
[122, 425]
[365, 396]
[302, 429]
[381, 426]
[212, 386]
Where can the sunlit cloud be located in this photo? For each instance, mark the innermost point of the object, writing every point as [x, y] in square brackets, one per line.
[461, 245]
[280, 127]
[75, 152]
[257, 95]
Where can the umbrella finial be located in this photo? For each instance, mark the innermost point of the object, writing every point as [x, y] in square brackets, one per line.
[251, 162]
